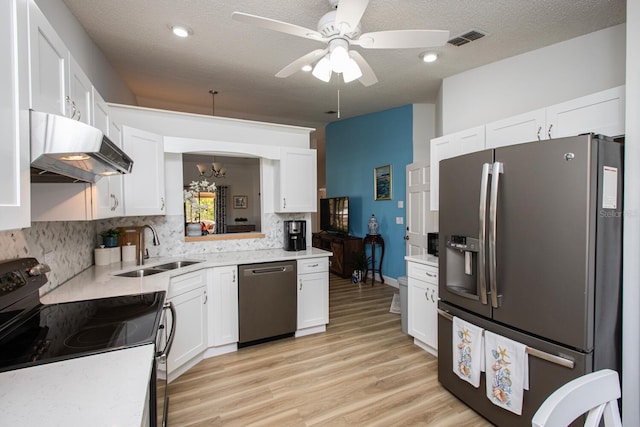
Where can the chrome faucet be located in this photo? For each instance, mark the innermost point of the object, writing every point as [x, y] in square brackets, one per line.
[142, 256]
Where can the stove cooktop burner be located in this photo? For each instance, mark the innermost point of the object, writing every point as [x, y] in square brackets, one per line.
[61, 331]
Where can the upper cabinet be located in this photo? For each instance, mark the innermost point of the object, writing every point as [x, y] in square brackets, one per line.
[445, 147]
[600, 113]
[144, 186]
[296, 181]
[14, 130]
[515, 130]
[49, 66]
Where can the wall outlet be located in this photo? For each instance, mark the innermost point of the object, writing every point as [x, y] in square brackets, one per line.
[400, 204]
[399, 220]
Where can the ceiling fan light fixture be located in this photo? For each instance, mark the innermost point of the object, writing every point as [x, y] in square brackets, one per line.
[322, 70]
[181, 31]
[339, 55]
[429, 57]
[352, 71]
[306, 68]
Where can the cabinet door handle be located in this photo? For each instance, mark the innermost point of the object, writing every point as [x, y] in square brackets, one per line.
[549, 131]
[115, 202]
[300, 284]
[233, 280]
[538, 133]
[162, 201]
[206, 298]
[432, 296]
[426, 295]
[313, 265]
[284, 202]
[431, 274]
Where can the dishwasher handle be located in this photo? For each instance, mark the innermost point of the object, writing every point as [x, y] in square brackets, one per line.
[268, 270]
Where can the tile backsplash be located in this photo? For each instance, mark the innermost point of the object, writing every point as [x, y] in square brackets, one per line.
[67, 246]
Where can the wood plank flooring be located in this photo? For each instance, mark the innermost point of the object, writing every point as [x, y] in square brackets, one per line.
[362, 372]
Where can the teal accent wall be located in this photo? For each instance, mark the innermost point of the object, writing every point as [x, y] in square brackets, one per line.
[354, 147]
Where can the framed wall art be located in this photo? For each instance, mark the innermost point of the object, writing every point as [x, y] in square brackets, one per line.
[240, 202]
[382, 182]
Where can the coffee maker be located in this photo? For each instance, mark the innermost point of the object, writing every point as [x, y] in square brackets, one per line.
[295, 232]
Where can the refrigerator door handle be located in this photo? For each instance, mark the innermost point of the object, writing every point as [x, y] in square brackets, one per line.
[497, 169]
[482, 238]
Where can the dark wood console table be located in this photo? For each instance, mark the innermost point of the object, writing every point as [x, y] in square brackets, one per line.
[374, 240]
[342, 247]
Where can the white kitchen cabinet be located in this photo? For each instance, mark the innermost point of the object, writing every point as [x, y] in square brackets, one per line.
[188, 293]
[602, 113]
[144, 186]
[223, 305]
[80, 94]
[526, 127]
[296, 181]
[49, 66]
[313, 294]
[15, 208]
[99, 112]
[422, 300]
[445, 147]
[108, 201]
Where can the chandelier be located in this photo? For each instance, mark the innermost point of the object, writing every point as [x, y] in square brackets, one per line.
[215, 170]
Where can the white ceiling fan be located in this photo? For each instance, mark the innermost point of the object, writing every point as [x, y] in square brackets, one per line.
[340, 29]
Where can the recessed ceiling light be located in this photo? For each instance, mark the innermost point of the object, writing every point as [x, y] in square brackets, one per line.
[429, 56]
[306, 68]
[180, 31]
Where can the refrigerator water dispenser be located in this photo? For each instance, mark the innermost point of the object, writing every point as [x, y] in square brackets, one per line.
[462, 260]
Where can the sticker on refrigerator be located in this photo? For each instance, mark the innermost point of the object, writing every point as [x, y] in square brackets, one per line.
[609, 188]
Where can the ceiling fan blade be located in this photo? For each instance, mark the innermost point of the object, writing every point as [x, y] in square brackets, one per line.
[272, 24]
[368, 76]
[349, 14]
[296, 65]
[402, 39]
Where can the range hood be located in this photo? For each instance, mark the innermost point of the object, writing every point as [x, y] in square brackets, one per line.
[66, 150]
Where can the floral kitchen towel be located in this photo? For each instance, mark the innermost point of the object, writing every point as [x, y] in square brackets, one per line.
[507, 371]
[468, 352]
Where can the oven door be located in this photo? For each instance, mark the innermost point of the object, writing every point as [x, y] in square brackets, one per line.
[159, 399]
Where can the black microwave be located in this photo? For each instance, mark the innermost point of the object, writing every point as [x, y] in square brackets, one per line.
[432, 244]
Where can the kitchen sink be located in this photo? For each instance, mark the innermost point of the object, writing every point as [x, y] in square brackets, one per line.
[141, 272]
[175, 264]
[148, 271]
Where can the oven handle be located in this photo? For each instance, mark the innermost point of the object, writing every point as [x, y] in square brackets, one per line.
[165, 352]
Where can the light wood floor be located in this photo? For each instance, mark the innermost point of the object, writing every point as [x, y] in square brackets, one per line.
[362, 371]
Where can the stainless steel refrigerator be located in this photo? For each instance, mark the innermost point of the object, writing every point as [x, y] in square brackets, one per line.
[531, 249]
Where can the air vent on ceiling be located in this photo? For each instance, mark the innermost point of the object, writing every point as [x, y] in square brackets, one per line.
[467, 37]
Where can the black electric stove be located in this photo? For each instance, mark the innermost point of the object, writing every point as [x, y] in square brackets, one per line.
[33, 333]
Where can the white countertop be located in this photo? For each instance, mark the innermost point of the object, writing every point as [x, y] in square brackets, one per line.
[100, 281]
[423, 259]
[107, 389]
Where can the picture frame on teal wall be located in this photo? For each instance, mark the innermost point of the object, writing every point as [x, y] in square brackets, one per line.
[382, 182]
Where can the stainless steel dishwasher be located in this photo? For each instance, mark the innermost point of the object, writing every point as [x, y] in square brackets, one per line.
[267, 301]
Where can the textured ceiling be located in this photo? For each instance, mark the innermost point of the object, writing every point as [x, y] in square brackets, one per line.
[240, 61]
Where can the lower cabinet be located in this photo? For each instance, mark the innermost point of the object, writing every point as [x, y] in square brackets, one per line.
[223, 305]
[422, 313]
[188, 293]
[313, 294]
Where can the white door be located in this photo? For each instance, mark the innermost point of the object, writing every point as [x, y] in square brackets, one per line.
[420, 219]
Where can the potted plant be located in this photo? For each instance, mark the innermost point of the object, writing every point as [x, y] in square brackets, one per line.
[359, 261]
[110, 237]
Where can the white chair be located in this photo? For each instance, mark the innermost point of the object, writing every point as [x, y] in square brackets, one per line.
[596, 393]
